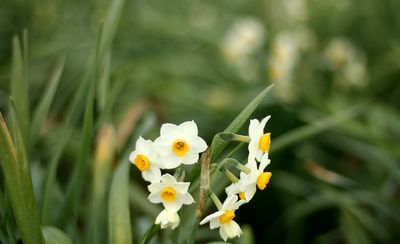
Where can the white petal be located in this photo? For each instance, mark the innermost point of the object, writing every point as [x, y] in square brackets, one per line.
[168, 130]
[163, 146]
[132, 156]
[168, 179]
[237, 204]
[223, 234]
[154, 198]
[197, 144]
[153, 174]
[169, 161]
[190, 158]
[264, 122]
[264, 162]
[214, 223]
[189, 128]
[172, 206]
[187, 199]
[182, 187]
[155, 187]
[250, 191]
[211, 216]
[253, 127]
[229, 202]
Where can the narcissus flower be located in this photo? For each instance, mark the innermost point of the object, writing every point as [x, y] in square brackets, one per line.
[167, 219]
[170, 193]
[223, 218]
[179, 144]
[247, 185]
[259, 142]
[145, 157]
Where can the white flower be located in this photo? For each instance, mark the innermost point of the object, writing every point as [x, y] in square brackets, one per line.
[259, 142]
[167, 219]
[245, 36]
[223, 218]
[170, 193]
[247, 185]
[145, 157]
[179, 144]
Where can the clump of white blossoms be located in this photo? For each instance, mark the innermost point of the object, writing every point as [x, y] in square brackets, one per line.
[177, 144]
[180, 145]
[252, 176]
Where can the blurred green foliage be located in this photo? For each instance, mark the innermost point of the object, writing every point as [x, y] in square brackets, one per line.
[335, 107]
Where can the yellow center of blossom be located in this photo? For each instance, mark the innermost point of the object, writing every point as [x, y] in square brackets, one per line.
[263, 180]
[226, 217]
[242, 196]
[265, 142]
[142, 162]
[180, 147]
[168, 194]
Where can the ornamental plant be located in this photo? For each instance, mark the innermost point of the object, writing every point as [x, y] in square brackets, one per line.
[167, 162]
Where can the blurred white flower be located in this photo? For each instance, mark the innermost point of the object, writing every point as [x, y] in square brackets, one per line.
[145, 157]
[259, 142]
[170, 193]
[245, 36]
[347, 62]
[168, 218]
[179, 144]
[223, 218]
[284, 57]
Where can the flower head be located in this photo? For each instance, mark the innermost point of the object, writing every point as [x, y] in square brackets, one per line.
[145, 157]
[223, 218]
[247, 185]
[167, 219]
[259, 142]
[170, 193]
[179, 144]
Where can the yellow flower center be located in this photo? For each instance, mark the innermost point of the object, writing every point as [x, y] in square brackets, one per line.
[180, 147]
[242, 196]
[142, 162]
[263, 180]
[168, 194]
[226, 217]
[265, 142]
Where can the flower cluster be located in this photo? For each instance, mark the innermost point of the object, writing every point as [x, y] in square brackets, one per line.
[177, 144]
[244, 188]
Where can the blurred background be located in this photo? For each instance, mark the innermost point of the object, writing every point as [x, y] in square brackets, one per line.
[335, 105]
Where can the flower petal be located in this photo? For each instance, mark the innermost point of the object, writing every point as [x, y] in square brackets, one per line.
[168, 130]
[188, 128]
[197, 144]
[187, 199]
[153, 174]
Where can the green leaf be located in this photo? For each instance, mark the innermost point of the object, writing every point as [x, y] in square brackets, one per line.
[218, 144]
[43, 107]
[18, 183]
[150, 234]
[352, 229]
[53, 235]
[119, 225]
[315, 128]
[19, 87]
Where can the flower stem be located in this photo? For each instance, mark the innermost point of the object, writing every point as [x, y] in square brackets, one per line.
[215, 199]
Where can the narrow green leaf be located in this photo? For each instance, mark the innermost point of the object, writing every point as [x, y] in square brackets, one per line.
[18, 183]
[119, 225]
[104, 82]
[43, 107]
[218, 144]
[75, 185]
[352, 229]
[150, 234]
[315, 128]
[19, 88]
[53, 235]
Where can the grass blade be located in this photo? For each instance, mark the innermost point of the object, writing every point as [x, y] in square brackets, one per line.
[44, 105]
[19, 88]
[19, 185]
[54, 235]
[218, 144]
[119, 226]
